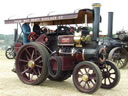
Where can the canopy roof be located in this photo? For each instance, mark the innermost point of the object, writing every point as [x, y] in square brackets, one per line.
[73, 18]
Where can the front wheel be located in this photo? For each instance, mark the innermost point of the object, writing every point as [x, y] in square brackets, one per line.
[111, 75]
[87, 77]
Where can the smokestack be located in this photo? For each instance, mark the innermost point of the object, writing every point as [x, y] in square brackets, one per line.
[15, 35]
[110, 24]
[96, 7]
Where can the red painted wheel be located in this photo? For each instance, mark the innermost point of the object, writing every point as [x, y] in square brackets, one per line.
[87, 77]
[111, 75]
[31, 64]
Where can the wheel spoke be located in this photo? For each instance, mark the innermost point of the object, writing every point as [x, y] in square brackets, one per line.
[35, 72]
[39, 72]
[113, 73]
[22, 60]
[92, 76]
[79, 75]
[85, 70]
[112, 78]
[25, 71]
[85, 85]
[40, 61]
[27, 57]
[80, 81]
[120, 64]
[104, 80]
[88, 70]
[88, 85]
[32, 54]
[92, 82]
[110, 69]
[109, 80]
[122, 61]
[38, 66]
[37, 58]
[81, 72]
[31, 77]
[28, 52]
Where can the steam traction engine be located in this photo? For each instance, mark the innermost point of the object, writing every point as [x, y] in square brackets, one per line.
[117, 47]
[67, 51]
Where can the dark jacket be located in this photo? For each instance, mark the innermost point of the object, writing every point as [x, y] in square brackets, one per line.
[36, 28]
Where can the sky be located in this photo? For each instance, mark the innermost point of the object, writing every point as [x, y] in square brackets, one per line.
[22, 8]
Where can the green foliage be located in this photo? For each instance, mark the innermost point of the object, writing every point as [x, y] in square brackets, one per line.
[1, 37]
[6, 40]
[90, 28]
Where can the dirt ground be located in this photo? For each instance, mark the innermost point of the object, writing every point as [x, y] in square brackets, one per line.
[10, 85]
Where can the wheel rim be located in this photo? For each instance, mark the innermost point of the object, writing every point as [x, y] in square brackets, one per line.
[10, 53]
[86, 78]
[120, 58]
[29, 64]
[111, 75]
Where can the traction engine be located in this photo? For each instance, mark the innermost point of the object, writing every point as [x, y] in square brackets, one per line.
[117, 47]
[67, 51]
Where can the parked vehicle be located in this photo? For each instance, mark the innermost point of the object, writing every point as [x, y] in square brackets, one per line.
[66, 51]
[117, 47]
[9, 53]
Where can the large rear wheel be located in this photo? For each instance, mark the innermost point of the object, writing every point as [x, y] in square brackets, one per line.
[87, 77]
[31, 64]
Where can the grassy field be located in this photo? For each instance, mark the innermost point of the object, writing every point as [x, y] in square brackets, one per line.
[10, 85]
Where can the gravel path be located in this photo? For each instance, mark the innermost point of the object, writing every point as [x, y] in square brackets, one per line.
[10, 85]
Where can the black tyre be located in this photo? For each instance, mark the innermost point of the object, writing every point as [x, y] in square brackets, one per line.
[111, 75]
[31, 64]
[9, 53]
[54, 61]
[119, 56]
[87, 77]
[64, 76]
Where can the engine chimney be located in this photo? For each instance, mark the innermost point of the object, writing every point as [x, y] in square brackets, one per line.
[15, 35]
[110, 24]
[96, 7]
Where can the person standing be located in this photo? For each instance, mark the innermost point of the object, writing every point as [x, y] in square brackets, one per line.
[26, 31]
[36, 28]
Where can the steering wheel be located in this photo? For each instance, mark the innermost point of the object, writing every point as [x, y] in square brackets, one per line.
[32, 36]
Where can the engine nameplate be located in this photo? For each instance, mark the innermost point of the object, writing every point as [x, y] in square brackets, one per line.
[66, 40]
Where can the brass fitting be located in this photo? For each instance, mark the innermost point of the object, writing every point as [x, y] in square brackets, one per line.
[96, 5]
